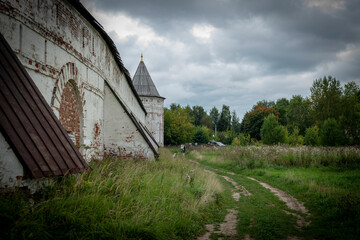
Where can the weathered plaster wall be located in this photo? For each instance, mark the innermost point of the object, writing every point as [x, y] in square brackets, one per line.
[12, 172]
[155, 117]
[56, 44]
[10, 167]
[121, 136]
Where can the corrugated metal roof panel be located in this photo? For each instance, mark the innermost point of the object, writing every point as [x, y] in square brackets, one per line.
[29, 125]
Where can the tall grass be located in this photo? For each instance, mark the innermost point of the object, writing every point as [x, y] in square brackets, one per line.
[269, 156]
[166, 199]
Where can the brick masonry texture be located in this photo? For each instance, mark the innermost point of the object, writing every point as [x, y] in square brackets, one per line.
[69, 112]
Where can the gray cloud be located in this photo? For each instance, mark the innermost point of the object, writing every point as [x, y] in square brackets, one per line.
[241, 51]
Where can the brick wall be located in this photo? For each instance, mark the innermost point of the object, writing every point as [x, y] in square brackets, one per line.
[69, 112]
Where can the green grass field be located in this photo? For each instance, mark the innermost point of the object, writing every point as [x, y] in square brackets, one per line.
[173, 198]
[327, 180]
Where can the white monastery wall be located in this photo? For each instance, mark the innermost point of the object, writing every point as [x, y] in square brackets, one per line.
[57, 44]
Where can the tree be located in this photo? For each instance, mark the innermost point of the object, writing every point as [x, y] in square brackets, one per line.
[298, 113]
[214, 116]
[206, 121]
[253, 120]
[197, 113]
[202, 135]
[174, 106]
[331, 134]
[224, 122]
[312, 136]
[326, 99]
[177, 126]
[235, 124]
[350, 118]
[282, 107]
[271, 131]
[266, 103]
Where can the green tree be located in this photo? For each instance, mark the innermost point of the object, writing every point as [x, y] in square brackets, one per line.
[271, 131]
[266, 103]
[253, 120]
[350, 118]
[331, 134]
[298, 113]
[177, 126]
[214, 116]
[202, 135]
[281, 106]
[235, 123]
[206, 121]
[197, 113]
[312, 136]
[326, 99]
[174, 106]
[224, 122]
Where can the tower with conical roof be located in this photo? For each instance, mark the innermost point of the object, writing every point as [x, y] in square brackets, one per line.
[152, 101]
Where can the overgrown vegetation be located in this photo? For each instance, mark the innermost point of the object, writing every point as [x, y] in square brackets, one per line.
[326, 179]
[332, 109]
[165, 199]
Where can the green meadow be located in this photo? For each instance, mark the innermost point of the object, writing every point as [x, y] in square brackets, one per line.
[326, 180]
[175, 196]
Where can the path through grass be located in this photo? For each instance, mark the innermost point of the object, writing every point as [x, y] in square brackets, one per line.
[326, 180]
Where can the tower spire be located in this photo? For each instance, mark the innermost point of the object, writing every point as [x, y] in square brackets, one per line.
[142, 57]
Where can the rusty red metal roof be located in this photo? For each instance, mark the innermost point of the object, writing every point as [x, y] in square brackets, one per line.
[30, 126]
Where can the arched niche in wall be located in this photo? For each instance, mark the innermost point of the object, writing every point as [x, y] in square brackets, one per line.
[67, 102]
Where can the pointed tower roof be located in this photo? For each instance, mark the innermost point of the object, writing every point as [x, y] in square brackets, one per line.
[143, 82]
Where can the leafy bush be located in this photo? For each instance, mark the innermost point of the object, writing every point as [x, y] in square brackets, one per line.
[271, 131]
[241, 140]
[312, 136]
[295, 139]
[331, 133]
[202, 135]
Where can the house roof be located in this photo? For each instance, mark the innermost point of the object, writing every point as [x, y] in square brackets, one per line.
[29, 125]
[143, 83]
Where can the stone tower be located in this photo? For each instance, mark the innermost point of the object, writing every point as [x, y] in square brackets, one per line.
[152, 101]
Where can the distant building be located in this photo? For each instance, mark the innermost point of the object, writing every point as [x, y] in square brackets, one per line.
[152, 101]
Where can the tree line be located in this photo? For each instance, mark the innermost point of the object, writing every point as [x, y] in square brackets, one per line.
[329, 117]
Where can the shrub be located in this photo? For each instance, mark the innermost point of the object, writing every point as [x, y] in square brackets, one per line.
[312, 136]
[271, 131]
[241, 140]
[236, 142]
[201, 135]
[295, 139]
[331, 133]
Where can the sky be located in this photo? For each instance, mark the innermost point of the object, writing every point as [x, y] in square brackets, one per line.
[234, 52]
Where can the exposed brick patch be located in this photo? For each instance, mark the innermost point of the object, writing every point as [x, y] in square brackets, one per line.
[69, 112]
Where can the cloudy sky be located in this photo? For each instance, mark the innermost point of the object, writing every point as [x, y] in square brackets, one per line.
[234, 52]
